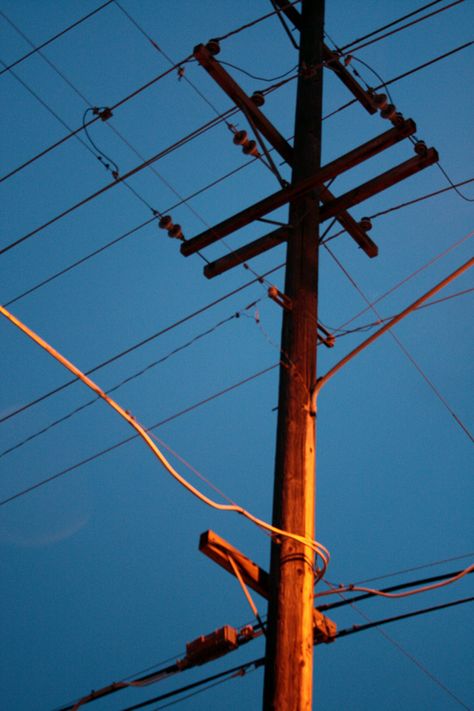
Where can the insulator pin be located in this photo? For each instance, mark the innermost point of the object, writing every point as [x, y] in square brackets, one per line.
[365, 224]
[174, 231]
[398, 119]
[213, 46]
[420, 148]
[258, 98]
[250, 149]
[380, 100]
[240, 138]
[389, 112]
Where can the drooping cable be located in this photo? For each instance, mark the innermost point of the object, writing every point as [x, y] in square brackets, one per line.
[316, 547]
[137, 345]
[393, 595]
[120, 443]
[128, 379]
[429, 382]
[336, 589]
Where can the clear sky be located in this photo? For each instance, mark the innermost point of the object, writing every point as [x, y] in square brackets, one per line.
[101, 573]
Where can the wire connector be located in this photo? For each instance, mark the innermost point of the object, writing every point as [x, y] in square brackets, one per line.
[103, 113]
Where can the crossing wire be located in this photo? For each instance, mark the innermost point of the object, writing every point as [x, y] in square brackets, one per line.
[399, 29]
[55, 37]
[139, 344]
[129, 378]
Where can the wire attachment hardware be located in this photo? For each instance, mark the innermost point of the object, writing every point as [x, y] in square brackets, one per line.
[174, 231]
[103, 113]
[325, 337]
[249, 147]
[279, 298]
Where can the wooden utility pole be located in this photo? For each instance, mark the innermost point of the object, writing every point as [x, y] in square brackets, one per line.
[289, 653]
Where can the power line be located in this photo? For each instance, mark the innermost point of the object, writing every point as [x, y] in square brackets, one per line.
[89, 123]
[95, 456]
[390, 24]
[261, 660]
[128, 379]
[133, 94]
[120, 179]
[55, 37]
[416, 567]
[392, 588]
[139, 344]
[403, 27]
[404, 75]
[429, 382]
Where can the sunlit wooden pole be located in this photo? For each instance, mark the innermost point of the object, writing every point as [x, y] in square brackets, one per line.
[289, 654]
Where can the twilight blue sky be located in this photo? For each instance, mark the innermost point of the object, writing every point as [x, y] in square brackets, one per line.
[101, 576]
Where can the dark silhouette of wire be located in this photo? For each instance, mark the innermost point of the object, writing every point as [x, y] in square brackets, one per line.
[253, 76]
[141, 343]
[95, 456]
[256, 663]
[55, 37]
[428, 381]
[248, 25]
[404, 75]
[181, 142]
[392, 588]
[420, 199]
[129, 378]
[399, 29]
[97, 118]
[416, 567]
[390, 24]
[127, 234]
[46, 106]
[454, 186]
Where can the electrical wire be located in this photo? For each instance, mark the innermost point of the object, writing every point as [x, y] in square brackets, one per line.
[254, 76]
[416, 567]
[390, 24]
[125, 235]
[139, 344]
[115, 106]
[55, 37]
[399, 29]
[128, 379]
[181, 142]
[359, 598]
[399, 77]
[259, 662]
[373, 324]
[406, 279]
[120, 443]
[429, 382]
[315, 546]
[248, 25]
[393, 595]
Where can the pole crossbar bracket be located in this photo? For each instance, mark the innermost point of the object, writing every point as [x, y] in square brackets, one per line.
[305, 186]
[325, 337]
[279, 298]
[257, 579]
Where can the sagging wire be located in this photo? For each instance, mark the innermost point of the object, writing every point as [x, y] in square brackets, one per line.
[348, 58]
[254, 76]
[110, 165]
[278, 533]
[120, 443]
[380, 593]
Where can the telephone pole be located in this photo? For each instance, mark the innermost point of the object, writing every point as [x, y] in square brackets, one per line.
[289, 653]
